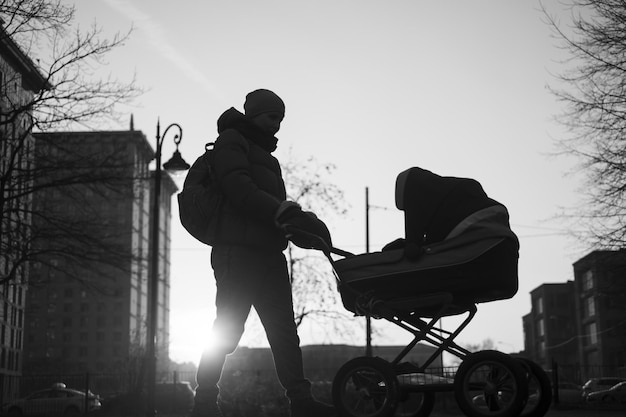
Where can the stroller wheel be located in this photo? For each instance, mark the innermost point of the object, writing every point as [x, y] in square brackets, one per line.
[366, 387]
[491, 383]
[539, 390]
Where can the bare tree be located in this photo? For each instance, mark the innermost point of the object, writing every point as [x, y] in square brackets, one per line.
[313, 284]
[64, 91]
[594, 93]
[80, 190]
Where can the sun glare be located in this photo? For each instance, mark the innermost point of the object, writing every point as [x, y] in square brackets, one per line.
[188, 341]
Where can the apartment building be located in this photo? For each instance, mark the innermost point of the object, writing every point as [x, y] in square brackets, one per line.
[20, 80]
[91, 314]
[549, 328]
[581, 322]
[600, 291]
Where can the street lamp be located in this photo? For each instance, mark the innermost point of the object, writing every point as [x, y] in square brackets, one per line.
[176, 163]
[368, 317]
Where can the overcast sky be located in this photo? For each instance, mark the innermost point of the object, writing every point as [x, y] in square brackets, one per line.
[374, 87]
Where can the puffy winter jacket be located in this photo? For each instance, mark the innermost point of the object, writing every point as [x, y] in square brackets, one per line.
[251, 181]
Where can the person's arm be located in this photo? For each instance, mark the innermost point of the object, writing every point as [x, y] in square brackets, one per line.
[232, 169]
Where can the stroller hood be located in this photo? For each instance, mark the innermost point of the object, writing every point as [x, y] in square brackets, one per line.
[476, 262]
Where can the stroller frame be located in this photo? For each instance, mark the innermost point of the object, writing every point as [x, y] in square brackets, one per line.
[504, 382]
[458, 251]
[487, 384]
[423, 330]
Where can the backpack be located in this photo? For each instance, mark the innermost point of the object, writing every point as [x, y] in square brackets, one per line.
[200, 201]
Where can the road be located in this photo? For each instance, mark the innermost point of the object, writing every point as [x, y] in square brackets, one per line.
[554, 412]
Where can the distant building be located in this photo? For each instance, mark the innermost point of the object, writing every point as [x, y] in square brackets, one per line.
[20, 79]
[92, 316]
[600, 301]
[549, 328]
[582, 322]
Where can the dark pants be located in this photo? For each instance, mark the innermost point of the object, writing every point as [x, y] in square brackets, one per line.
[246, 277]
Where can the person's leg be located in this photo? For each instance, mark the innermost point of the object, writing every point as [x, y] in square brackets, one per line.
[274, 305]
[233, 305]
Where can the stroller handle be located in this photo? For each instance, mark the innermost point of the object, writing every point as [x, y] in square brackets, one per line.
[341, 252]
[308, 240]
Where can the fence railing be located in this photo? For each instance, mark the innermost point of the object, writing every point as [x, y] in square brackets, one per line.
[253, 386]
[576, 374]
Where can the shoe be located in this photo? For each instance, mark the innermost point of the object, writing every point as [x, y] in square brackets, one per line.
[207, 410]
[310, 407]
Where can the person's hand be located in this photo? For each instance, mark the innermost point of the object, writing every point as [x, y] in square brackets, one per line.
[292, 219]
[286, 212]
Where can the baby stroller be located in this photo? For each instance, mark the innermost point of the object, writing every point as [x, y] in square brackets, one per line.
[458, 251]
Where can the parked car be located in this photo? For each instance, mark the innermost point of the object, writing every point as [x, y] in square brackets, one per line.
[570, 393]
[169, 398]
[600, 384]
[614, 395]
[57, 400]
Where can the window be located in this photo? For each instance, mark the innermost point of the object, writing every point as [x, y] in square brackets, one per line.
[591, 333]
[541, 330]
[539, 305]
[587, 280]
[590, 307]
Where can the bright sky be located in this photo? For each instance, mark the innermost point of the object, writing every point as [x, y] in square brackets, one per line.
[375, 87]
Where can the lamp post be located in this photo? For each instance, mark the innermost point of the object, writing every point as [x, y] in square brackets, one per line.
[176, 163]
[368, 317]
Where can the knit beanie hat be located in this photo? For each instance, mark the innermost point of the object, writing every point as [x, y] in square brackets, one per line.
[263, 101]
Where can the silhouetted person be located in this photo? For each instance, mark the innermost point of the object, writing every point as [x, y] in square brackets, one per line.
[248, 261]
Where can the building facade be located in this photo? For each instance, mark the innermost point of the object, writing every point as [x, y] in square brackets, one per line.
[549, 327]
[20, 80]
[582, 323]
[600, 291]
[86, 307]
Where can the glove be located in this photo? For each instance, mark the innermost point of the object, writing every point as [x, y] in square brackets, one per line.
[286, 211]
[292, 219]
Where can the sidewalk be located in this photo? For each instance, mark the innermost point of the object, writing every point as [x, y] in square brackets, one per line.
[582, 412]
[553, 412]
